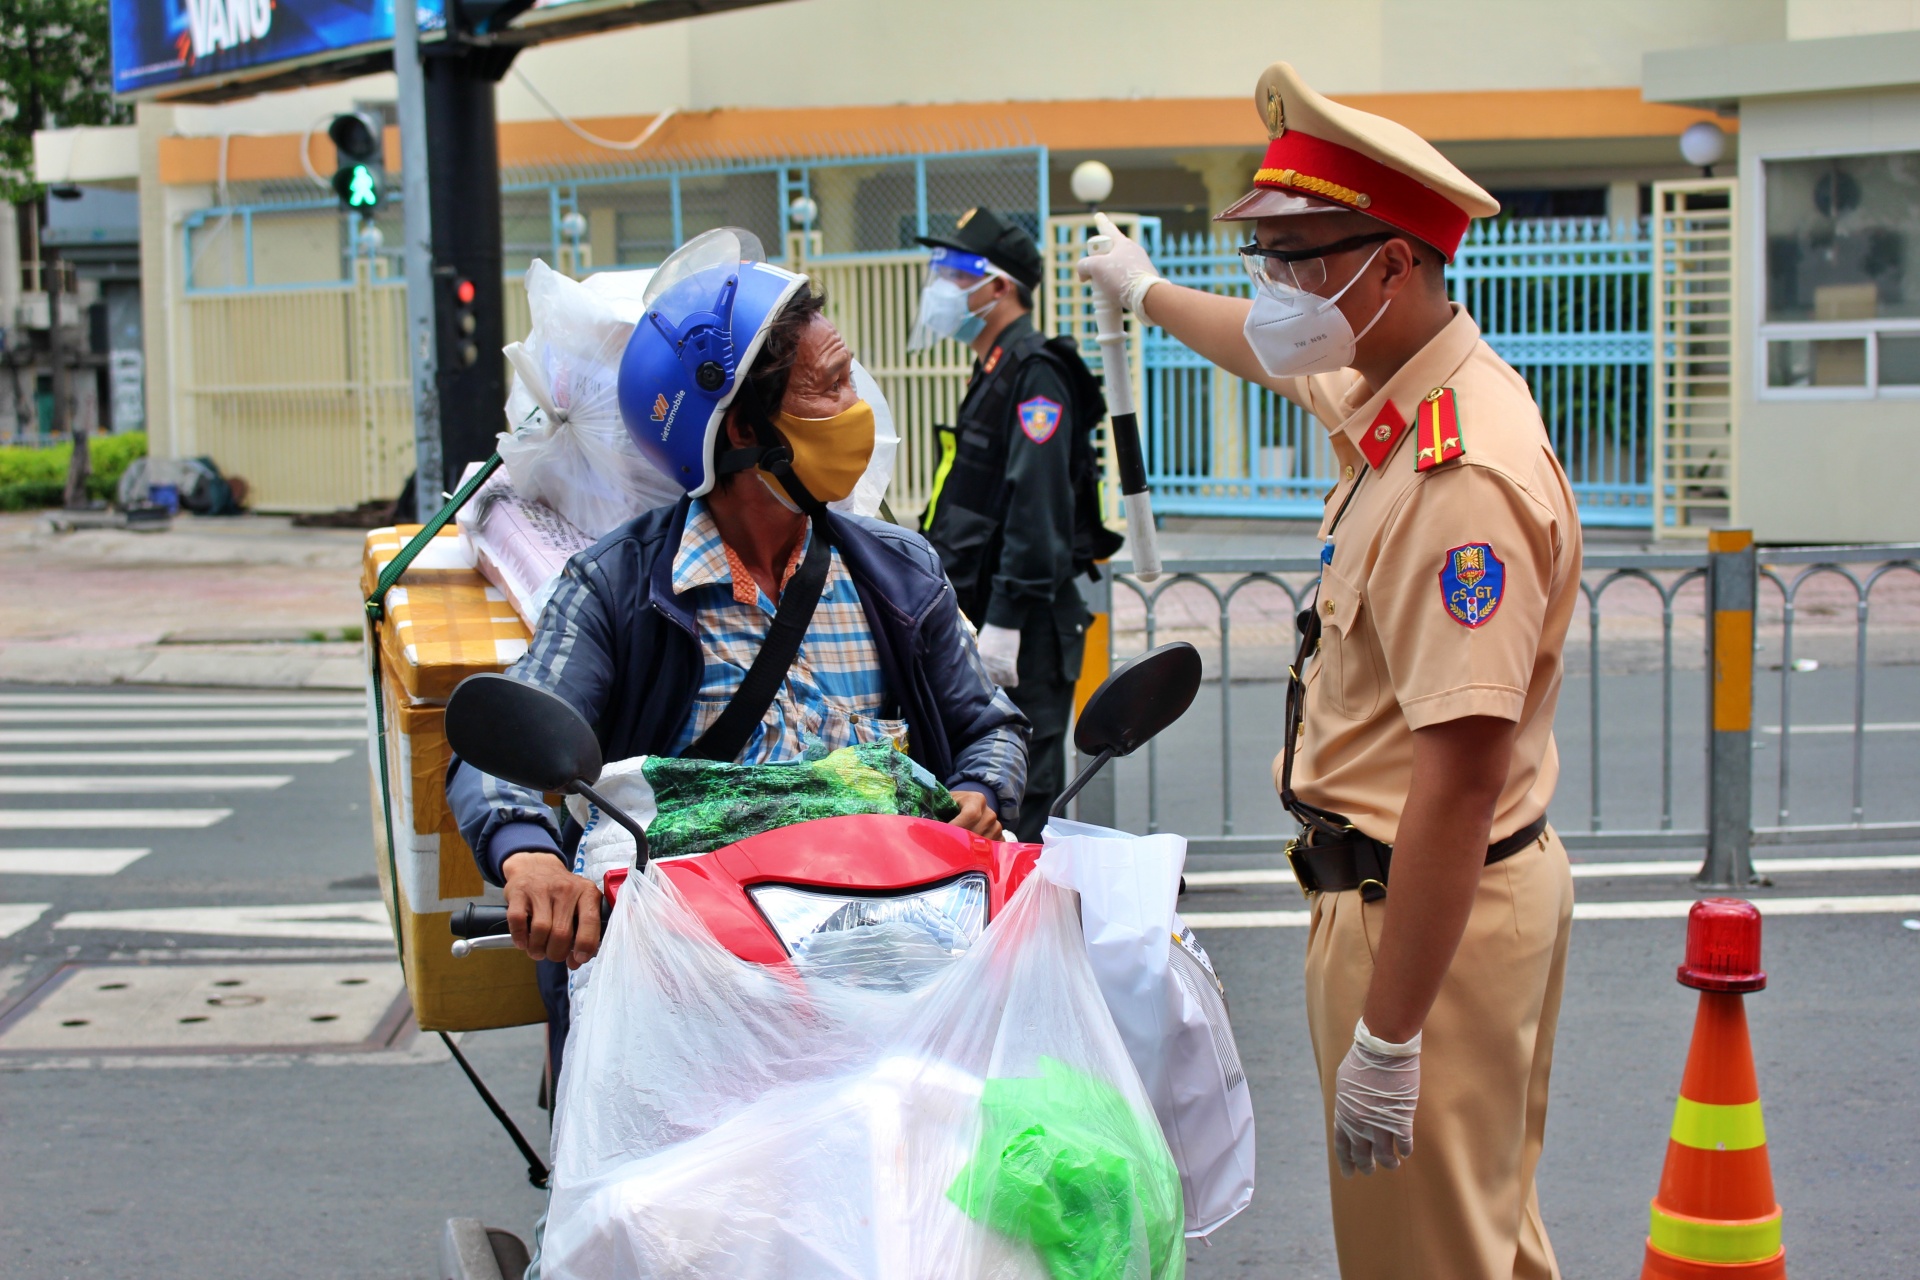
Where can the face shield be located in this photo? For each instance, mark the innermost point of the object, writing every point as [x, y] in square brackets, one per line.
[946, 309]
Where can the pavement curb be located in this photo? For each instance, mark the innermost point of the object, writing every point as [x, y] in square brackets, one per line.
[253, 666]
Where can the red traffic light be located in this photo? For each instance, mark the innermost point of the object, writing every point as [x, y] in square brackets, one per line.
[464, 291]
[1723, 946]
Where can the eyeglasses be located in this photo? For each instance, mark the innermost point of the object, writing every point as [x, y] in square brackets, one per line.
[1302, 269]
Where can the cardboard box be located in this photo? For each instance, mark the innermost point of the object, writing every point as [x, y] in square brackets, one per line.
[443, 623]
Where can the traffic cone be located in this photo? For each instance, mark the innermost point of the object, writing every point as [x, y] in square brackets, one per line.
[1715, 1217]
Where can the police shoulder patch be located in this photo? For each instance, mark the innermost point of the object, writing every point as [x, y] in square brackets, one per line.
[1039, 418]
[1472, 582]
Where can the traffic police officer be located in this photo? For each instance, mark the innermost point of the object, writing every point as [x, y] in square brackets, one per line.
[1418, 755]
[1013, 513]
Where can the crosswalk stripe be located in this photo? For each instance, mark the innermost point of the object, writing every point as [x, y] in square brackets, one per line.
[265, 733]
[336, 921]
[108, 819]
[164, 759]
[1873, 726]
[174, 700]
[15, 916]
[170, 715]
[130, 784]
[68, 862]
[1609, 870]
[1673, 908]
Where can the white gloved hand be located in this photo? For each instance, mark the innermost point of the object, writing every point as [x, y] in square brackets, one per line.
[1000, 653]
[1124, 273]
[1374, 1095]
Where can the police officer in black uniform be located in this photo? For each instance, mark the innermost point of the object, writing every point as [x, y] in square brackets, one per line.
[1015, 509]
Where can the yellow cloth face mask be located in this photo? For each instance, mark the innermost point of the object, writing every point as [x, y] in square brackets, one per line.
[829, 454]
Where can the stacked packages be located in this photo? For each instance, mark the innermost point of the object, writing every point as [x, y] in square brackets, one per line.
[442, 623]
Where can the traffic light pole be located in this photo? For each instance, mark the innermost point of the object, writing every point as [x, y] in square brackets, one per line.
[416, 208]
[463, 166]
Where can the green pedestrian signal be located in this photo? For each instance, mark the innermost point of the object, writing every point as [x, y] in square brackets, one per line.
[356, 177]
[362, 191]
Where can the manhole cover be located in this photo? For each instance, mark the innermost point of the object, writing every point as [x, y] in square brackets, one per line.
[210, 1008]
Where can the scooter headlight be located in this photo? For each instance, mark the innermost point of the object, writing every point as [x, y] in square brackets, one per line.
[949, 915]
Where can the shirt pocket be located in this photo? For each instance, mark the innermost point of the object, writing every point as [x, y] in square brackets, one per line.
[1350, 668]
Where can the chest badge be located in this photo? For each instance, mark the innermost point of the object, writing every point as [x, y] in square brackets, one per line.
[1472, 582]
[1039, 418]
[1438, 432]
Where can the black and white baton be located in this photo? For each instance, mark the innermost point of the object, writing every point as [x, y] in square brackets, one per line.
[1136, 498]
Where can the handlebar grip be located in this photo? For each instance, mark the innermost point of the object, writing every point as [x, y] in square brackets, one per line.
[477, 921]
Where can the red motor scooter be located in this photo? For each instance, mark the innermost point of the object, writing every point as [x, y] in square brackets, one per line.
[806, 890]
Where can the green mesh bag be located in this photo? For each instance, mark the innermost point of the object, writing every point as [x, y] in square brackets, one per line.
[704, 804]
[1066, 1165]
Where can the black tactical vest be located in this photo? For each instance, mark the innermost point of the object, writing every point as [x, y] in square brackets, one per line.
[968, 509]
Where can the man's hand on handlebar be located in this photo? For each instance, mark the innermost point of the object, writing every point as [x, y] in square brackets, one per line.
[552, 913]
[977, 814]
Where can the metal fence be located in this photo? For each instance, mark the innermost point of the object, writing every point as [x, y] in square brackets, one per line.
[1564, 300]
[1645, 638]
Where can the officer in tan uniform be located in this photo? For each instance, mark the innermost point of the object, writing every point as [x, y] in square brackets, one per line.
[1419, 755]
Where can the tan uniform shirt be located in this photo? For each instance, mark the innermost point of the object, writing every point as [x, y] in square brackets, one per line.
[1414, 634]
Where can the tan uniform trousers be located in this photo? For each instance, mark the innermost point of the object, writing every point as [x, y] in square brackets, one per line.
[1463, 1206]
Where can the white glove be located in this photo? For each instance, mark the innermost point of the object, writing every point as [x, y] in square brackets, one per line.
[1000, 653]
[1374, 1095]
[1124, 273]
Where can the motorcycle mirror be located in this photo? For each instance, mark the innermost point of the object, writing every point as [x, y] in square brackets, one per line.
[521, 733]
[1143, 696]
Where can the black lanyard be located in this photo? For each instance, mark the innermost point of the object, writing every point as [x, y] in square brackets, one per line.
[1307, 621]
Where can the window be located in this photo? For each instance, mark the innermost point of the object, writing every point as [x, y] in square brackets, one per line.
[1842, 308]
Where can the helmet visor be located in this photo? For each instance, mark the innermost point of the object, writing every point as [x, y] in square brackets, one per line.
[721, 247]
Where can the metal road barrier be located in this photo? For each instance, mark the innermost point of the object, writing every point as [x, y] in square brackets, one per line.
[1716, 593]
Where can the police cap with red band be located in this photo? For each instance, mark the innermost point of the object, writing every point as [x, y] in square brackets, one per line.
[1323, 156]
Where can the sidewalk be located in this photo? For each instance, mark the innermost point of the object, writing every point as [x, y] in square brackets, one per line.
[240, 600]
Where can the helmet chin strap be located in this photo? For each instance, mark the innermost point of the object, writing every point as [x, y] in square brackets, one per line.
[770, 454]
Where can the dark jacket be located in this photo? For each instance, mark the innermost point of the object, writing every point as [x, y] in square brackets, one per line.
[1003, 518]
[617, 643]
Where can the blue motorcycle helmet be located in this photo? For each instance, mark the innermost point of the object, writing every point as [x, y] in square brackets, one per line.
[707, 311]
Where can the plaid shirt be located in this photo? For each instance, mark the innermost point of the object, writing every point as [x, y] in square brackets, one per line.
[834, 692]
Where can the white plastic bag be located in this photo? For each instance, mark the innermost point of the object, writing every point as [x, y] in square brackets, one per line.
[1168, 1004]
[719, 1119]
[565, 445]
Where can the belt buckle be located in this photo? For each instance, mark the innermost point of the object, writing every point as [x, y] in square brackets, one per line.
[1293, 864]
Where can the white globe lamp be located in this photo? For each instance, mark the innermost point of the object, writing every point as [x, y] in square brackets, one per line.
[1091, 182]
[1704, 144]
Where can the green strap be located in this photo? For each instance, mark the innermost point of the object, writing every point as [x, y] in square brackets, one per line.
[376, 614]
[376, 603]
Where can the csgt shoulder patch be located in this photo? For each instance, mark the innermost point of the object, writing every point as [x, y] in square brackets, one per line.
[1472, 581]
[1039, 418]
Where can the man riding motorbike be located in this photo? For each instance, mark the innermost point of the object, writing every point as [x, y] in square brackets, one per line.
[667, 635]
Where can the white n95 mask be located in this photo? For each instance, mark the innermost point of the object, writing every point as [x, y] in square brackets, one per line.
[1294, 333]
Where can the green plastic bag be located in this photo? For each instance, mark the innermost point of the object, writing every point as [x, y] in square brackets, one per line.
[1067, 1165]
[704, 804]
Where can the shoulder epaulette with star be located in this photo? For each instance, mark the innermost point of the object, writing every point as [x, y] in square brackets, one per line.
[1436, 430]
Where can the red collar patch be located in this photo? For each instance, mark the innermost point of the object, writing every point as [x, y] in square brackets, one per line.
[993, 358]
[1378, 440]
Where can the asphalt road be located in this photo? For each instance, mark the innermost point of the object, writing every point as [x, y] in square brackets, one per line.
[285, 1156]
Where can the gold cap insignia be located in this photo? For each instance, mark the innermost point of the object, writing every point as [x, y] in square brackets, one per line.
[1276, 114]
[965, 218]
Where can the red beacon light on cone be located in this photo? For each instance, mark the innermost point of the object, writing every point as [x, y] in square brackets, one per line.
[1723, 947]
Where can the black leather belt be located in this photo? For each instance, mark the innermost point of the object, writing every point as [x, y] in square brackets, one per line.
[1356, 861]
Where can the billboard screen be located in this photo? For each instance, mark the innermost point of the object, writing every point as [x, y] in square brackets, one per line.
[167, 48]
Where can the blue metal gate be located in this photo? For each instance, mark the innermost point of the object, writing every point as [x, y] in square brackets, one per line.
[1565, 301]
